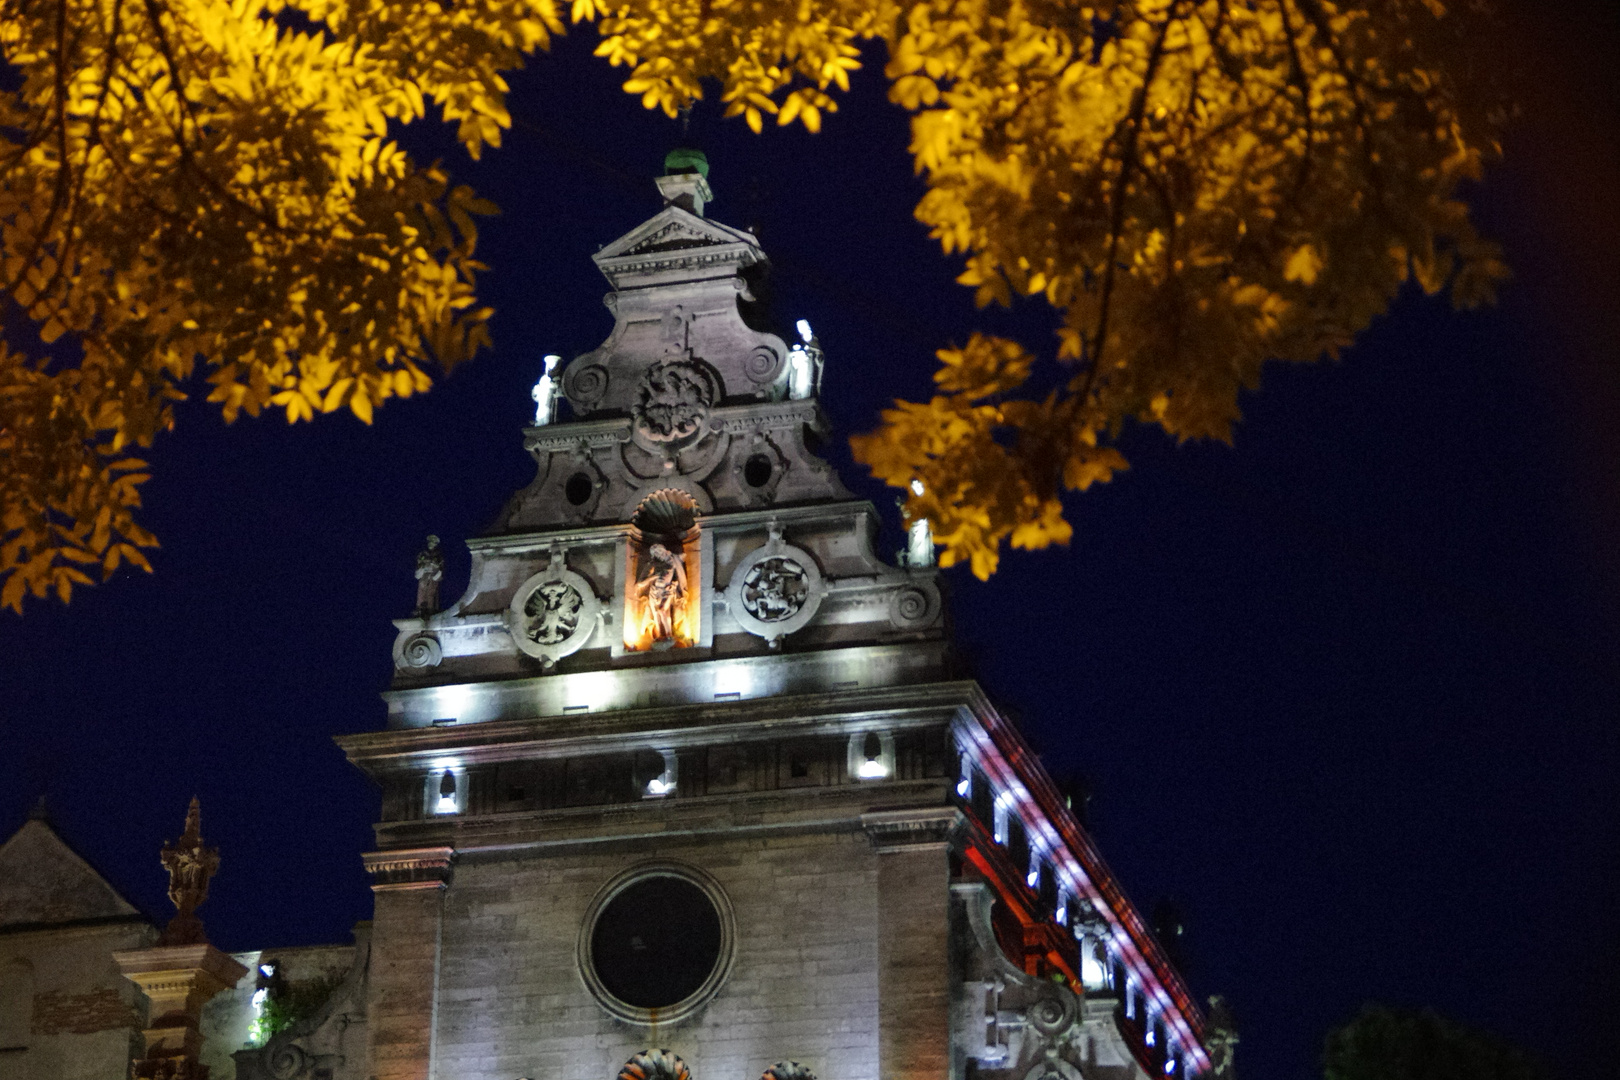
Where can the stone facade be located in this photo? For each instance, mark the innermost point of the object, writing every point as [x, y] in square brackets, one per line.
[68, 1013]
[683, 786]
[679, 664]
[65, 1011]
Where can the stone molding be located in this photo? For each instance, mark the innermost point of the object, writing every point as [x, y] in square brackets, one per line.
[681, 1010]
[910, 830]
[409, 868]
[178, 980]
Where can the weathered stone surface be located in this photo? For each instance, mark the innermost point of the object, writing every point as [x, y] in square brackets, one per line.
[65, 1012]
[45, 882]
[101, 1009]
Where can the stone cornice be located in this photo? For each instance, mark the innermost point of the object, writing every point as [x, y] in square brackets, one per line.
[821, 811]
[890, 707]
[913, 829]
[725, 521]
[407, 869]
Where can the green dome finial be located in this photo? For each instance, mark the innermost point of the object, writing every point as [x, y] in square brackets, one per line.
[683, 159]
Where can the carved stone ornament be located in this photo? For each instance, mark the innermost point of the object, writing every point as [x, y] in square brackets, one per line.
[914, 606]
[585, 384]
[673, 403]
[776, 589]
[191, 864]
[420, 652]
[655, 1065]
[553, 613]
[1013, 1025]
[787, 1070]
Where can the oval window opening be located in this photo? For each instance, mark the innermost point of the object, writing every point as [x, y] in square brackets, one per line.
[656, 943]
[578, 489]
[757, 470]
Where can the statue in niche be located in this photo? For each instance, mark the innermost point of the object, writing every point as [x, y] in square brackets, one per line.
[662, 590]
[674, 401]
[191, 864]
[429, 572]
[553, 612]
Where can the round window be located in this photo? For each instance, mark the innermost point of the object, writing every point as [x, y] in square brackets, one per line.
[657, 943]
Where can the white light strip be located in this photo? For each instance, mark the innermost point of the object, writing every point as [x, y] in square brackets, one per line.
[1011, 796]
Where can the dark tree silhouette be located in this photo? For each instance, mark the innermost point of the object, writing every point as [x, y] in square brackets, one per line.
[1398, 1044]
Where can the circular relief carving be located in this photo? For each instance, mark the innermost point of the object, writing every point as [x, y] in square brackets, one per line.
[674, 401]
[762, 364]
[553, 613]
[586, 385]
[775, 589]
[422, 651]
[657, 943]
[913, 606]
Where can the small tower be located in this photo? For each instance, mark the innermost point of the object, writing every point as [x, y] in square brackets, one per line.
[682, 785]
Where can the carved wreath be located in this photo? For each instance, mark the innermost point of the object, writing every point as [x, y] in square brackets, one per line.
[674, 401]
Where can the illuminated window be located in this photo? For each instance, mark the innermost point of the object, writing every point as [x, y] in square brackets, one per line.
[871, 755]
[446, 790]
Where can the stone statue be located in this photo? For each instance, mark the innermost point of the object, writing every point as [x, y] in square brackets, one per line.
[919, 543]
[429, 572]
[191, 864]
[919, 535]
[545, 394]
[662, 589]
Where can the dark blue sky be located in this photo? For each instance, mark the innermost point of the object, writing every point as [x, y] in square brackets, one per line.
[1348, 691]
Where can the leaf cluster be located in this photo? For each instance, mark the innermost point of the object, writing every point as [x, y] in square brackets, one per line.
[1197, 186]
[198, 188]
[206, 190]
[287, 1003]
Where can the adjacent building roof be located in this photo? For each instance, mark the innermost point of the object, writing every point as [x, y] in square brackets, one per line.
[45, 883]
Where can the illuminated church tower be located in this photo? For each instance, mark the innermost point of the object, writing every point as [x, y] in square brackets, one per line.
[682, 783]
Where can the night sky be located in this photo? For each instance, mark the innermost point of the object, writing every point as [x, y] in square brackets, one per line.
[1347, 692]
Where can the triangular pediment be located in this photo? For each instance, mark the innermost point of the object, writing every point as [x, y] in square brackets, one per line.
[673, 229]
[45, 882]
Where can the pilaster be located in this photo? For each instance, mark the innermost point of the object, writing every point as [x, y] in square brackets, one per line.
[405, 950]
[913, 933]
[178, 980]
